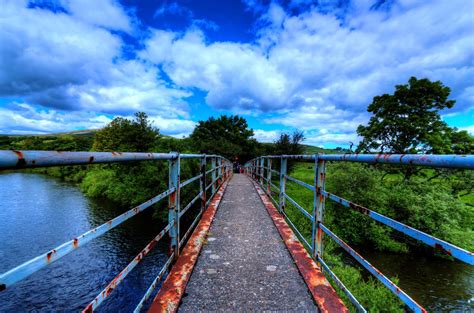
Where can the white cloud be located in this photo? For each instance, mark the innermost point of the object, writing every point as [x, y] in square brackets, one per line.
[173, 126]
[70, 61]
[24, 118]
[316, 70]
[320, 71]
[266, 135]
[236, 76]
[105, 13]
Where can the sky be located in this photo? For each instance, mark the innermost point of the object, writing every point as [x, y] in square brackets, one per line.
[315, 66]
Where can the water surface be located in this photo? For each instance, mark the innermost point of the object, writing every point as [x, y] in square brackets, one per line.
[39, 213]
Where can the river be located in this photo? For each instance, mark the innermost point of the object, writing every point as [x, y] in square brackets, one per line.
[39, 213]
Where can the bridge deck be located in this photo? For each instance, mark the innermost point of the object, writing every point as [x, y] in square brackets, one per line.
[245, 265]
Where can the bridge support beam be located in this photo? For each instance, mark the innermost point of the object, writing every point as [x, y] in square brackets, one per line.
[318, 208]
[283, 169]
[173, 204]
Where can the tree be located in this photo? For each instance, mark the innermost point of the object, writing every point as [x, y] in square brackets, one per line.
[289, 143]
[122, 134]
[407, 121]
[229, 136]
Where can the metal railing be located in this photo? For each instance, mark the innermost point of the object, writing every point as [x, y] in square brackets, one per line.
[262, 174]
[221, 170]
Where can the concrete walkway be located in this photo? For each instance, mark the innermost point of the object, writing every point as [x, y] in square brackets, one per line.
[245, 266]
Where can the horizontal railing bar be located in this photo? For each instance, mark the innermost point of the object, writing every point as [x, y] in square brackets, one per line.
[432, 160]
[104, 294]
[301, 183]
[275, 171]
[297, 232]
[210, 185]
[434, 242]
[191, 227]
[213, 169]
[17, 159]
[382, 278]
[187, 182]
[341, 285]
[274, 186]
[299, 207]
[444, 161]
[31, 159]
[153, 285]
[188, 206]
[24, 270]
[296, 156]
[213, 194]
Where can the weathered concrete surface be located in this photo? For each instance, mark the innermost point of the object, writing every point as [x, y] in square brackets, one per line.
[244, 265]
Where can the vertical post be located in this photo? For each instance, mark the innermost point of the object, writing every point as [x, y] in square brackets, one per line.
[282, 199]
[269, 176]
[262, 171]
[318, 210]
[202, 185]
[213, 164]
[222, 170]
[173, 207]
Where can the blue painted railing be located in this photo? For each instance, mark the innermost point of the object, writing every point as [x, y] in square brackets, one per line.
[221, 170]
[261, 170]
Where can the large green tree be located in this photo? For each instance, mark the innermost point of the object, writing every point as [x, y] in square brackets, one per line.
[229, 136]
[122, 134]
[407, 121]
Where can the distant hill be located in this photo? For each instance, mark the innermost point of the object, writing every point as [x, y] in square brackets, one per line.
[85, 133]
[89, 133]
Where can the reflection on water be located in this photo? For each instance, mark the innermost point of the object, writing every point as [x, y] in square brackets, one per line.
[435, 283]
[38, 213]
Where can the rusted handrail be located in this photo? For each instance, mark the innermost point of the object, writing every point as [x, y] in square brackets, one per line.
[11, 160]
[263, 175]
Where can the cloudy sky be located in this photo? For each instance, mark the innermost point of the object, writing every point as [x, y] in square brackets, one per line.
[313, 65]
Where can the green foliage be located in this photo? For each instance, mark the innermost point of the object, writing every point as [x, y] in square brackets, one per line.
[407, 121]
[127, 185]
[122, 134]
[430, 207]
[228, 136]
[289, 143]
[65, 142]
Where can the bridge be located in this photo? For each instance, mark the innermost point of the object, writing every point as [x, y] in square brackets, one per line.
[242, 251]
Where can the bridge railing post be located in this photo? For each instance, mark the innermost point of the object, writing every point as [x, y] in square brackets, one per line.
[214, 174]
[318, 207]
[283, 169]
[221, 171]
[173, 204]
[202, 185]
[262, 171]
[269, 176]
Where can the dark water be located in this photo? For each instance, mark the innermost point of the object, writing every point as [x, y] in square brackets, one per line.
[438, 284]
[38, 213]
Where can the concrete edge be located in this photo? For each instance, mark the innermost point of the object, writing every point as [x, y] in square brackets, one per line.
[323, 293]
[172, 290]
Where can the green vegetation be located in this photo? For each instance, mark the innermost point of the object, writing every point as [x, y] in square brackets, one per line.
[228, 136]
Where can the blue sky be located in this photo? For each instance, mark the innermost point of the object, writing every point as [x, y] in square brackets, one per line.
[311, 65]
